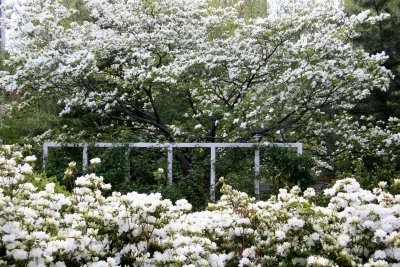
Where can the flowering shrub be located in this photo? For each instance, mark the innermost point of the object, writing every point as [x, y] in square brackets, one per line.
[38, 228]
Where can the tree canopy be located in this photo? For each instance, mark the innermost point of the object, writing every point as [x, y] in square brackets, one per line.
[184, 70]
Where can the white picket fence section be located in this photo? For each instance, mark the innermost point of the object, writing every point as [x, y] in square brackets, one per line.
[170, 146]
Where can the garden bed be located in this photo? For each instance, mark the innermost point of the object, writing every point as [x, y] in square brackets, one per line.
[42, 225]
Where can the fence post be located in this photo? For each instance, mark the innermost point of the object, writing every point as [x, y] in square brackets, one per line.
[212, 146]
[299, 152]
[212, 174]
[85, 157]
[299, 148]
[170, 165]
[127, 164]
[45, 154]
[257, 172]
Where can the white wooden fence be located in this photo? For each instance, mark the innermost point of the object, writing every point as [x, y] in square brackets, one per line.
[170, 146]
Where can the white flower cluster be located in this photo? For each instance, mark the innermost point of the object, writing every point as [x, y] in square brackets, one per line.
[38, 228]
[353, 138]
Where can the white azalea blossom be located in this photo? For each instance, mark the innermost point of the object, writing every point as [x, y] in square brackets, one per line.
[95, 161]
[31, 158]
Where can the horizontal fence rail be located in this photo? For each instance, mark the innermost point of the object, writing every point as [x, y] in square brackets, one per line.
[170, 146]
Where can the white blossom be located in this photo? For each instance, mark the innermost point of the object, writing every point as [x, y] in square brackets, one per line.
[95, 161]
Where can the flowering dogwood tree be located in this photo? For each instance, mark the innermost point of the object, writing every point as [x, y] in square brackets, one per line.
[189, 71]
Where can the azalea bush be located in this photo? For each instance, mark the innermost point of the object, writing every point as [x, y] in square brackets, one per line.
[47, 227]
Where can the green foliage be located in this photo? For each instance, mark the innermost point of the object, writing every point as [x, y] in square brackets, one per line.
[285, 168]
[279, 167]
[3, 56]
[81, 13]
[58, 159]
[382, 36]
[143, 164]
[370, 170]
[248, 9]
[40, 180]
[236, 165]
[27, 123]
[191, 182]
[189, 187]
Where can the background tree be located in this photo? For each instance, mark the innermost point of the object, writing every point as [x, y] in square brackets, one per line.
[381, 36]
[378, 113]
[187, 71]
[225, 74]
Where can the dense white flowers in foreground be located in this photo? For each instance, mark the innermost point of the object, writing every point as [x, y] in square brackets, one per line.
[38, 228]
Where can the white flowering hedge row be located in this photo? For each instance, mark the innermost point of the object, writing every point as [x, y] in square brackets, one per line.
[45, 228]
